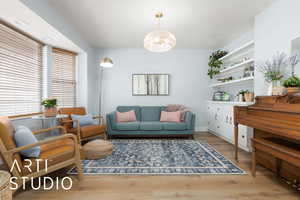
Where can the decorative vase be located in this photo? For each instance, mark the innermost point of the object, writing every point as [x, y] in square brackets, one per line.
[275, 88]
[292, 90]
[50, 112]
[249, 97]
[241, 98]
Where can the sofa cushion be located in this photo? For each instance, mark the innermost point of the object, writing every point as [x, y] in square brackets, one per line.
[137, 110]
[84, 120]
[128, 126]
[150, 113]
[174, 126]
[129, 116]
[150, 126]
[170, 116]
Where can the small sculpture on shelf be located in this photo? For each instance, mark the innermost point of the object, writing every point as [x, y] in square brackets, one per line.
[249, 71]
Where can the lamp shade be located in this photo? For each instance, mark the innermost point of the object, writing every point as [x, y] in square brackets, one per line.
[106, 62]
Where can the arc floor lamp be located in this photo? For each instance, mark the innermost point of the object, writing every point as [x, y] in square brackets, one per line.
[106, 62]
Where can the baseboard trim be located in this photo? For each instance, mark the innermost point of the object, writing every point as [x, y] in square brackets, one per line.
[228, 140]
[201, 129]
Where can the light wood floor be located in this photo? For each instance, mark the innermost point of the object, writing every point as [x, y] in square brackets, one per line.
[194, 187]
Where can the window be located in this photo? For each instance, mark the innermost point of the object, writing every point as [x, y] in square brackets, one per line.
[63, 78]
[20, 73]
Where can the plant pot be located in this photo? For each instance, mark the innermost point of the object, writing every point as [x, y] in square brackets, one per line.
[291, 90]
[249, 97]
[50, 112]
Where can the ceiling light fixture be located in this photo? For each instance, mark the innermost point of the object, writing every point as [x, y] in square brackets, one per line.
[159, 40]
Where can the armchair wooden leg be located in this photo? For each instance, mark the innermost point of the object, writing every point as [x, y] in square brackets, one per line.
[79, 170]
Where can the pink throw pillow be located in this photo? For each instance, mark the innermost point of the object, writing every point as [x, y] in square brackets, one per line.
[170, 116]
[126, 116]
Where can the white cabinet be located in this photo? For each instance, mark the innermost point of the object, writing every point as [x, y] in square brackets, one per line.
[220, 123]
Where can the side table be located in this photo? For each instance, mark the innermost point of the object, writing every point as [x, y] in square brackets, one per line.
[48, 122]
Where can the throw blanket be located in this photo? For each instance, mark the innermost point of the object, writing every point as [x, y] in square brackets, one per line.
[177, 107]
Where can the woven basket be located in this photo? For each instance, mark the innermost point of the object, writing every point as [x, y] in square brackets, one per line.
[96, 149]
[5, 192]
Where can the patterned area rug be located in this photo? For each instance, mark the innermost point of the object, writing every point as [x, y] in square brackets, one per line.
[161, 157]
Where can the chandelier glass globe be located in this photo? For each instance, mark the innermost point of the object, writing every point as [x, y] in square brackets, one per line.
[159, 40]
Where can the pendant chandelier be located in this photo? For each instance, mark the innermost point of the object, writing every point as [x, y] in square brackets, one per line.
[159, 40]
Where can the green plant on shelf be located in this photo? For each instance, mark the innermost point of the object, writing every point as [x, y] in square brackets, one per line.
[214, 63]
[243, 92]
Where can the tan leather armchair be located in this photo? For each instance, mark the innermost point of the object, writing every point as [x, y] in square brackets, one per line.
[60, 151]
[83, 133]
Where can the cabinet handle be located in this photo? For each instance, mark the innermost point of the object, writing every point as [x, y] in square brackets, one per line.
[218, 126]
[230, 120]
[215, 116]
[243, 136]
[226, 118]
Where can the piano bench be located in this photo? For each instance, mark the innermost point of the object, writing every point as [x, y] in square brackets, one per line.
[281, 149]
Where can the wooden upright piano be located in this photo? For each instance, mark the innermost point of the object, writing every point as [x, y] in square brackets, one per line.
[276, 139]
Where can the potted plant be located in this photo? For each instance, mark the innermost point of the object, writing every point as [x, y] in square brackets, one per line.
[241, 95]
[50, 109]
[249, 96]
[292, 84]
[274, 71]
[214, 63]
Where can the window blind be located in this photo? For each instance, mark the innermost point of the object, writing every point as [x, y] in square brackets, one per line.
[63, 77]
[20, 73]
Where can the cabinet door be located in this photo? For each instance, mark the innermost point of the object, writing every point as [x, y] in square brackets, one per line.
[211, 116]
[243, 139]
[227, 128]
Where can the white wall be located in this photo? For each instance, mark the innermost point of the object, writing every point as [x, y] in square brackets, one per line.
[88, 65]
[188, 79]
[274, 30]
[243, 39]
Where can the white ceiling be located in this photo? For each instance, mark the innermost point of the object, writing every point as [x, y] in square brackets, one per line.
[19, 16]
[195, 23]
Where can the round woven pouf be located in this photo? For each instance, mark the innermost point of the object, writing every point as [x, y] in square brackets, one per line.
[5, 192]
[97, 149]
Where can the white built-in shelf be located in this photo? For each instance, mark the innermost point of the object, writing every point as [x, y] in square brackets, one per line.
[240, 65]
[238, 81]
[232, 103]
[237, 50]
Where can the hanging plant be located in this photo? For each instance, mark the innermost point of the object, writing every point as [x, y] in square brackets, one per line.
[214, 63]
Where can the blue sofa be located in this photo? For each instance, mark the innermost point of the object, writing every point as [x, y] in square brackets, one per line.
[148, 123]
